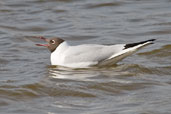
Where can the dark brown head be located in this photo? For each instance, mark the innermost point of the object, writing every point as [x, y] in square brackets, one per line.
[53, 43]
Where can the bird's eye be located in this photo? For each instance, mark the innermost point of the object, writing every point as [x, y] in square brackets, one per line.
[52, 41]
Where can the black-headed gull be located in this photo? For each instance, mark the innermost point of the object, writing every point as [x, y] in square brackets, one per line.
[88, 55]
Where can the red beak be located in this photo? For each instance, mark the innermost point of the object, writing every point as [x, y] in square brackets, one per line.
[43, 38]
[46, 45]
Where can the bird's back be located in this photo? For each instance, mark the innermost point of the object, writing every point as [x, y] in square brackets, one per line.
[89, 55]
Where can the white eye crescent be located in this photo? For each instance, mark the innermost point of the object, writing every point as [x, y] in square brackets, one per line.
[52, 41]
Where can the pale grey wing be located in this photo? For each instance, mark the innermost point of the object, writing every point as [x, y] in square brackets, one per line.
[91, 53]
[128, 49]
[100, 54]
[117, 57]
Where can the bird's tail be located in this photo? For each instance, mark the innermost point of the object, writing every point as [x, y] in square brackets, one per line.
[129, 49]
[138, 43]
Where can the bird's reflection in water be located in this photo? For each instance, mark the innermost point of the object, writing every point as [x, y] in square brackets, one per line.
[90, 74]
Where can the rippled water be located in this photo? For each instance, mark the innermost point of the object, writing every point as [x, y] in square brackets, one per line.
[140, 84]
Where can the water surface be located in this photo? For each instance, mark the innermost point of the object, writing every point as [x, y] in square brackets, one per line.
[140, 84]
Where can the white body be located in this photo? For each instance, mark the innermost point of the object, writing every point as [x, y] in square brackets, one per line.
[82, 56]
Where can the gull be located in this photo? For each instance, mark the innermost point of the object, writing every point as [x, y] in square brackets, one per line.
[89, 55]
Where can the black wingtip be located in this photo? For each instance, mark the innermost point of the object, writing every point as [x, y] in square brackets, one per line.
[135, 44]
[151, 40]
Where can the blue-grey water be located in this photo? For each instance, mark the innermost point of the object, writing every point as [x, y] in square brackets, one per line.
[140, 84]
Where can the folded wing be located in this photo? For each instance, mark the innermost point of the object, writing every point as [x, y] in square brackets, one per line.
[127, 50]
[101, 55]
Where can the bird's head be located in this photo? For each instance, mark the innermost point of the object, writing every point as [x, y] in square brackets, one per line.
[52, 43]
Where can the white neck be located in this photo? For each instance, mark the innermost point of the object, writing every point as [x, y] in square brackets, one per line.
[57, 55]
[61, 47]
